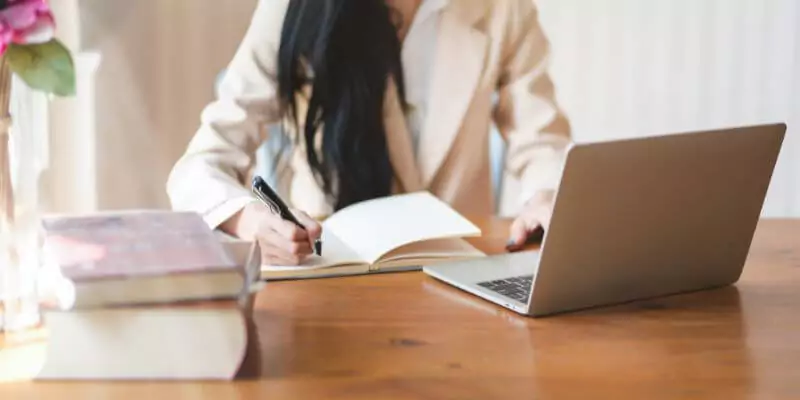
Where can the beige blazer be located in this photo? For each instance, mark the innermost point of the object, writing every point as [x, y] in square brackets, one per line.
[490, 66]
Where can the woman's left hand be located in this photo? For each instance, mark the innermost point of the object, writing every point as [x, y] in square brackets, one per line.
[535, 215]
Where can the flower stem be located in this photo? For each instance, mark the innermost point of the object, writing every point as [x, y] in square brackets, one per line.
[6, 187]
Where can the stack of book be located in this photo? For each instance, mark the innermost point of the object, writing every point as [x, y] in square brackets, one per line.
[151, 295]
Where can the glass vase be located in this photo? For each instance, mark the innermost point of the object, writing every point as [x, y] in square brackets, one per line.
[20, 255]
[20, 220]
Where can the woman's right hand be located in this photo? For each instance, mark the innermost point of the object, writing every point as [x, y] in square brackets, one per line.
[281, 241]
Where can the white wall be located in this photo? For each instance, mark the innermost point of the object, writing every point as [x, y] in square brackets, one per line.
[625, 68]
[159, 62]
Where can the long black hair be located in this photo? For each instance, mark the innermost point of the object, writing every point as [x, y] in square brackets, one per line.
[346, 50]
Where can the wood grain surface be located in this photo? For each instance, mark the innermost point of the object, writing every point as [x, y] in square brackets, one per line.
[407, 336]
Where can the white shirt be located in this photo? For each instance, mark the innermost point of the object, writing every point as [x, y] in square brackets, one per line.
[417, 55]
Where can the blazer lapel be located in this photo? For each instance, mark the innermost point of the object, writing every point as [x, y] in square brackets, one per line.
[459, 59]
[398, 140]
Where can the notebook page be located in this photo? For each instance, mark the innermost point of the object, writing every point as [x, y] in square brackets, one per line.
[432, 249]
[375, 227]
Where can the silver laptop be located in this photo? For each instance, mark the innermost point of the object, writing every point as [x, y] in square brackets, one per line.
[636, 219]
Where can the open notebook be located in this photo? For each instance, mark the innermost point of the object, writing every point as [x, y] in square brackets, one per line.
[395, 233]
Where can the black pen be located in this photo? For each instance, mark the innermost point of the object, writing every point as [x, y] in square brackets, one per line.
[277, 206]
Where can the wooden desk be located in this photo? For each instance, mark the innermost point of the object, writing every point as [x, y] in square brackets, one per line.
[407, 336]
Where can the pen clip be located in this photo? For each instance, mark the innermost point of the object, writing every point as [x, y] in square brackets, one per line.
[267, 201]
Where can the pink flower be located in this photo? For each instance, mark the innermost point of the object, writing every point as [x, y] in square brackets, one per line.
[25, 22]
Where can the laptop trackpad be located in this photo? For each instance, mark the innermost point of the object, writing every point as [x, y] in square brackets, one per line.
[488, 268]
[522, 263]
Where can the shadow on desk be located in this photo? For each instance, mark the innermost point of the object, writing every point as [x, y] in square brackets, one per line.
[251, 365]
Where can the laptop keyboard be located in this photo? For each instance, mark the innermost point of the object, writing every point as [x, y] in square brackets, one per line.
[517, 288]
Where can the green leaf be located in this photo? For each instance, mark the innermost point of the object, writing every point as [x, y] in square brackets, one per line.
[47, 67]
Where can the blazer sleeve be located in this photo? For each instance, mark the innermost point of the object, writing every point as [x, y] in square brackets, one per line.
[526, 113]
[209, 177]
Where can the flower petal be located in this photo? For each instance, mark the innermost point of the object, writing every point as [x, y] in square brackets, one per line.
[41, 31]
[24, 13]
[5, 37]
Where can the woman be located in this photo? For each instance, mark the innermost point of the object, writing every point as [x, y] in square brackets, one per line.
[395, 95]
